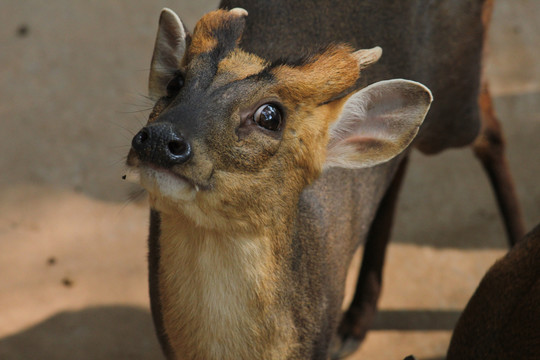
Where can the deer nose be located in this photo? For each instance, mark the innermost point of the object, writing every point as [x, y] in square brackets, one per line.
[160, 144]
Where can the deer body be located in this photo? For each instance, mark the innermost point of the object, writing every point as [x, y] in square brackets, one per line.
[265, 167]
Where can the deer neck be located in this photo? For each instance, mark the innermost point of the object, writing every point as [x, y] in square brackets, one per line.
[219, 294]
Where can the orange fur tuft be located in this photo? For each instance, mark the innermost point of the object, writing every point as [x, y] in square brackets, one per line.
[329, 74]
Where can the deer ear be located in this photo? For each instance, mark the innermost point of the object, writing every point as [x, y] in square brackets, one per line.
[169, 50]
[377, 123]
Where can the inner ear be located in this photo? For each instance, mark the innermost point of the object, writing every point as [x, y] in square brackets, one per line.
[169, 50]
[377, 123]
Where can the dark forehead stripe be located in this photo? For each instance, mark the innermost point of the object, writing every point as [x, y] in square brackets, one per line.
[225, 32]
[227, 35]
[306, 57]
[266, 72]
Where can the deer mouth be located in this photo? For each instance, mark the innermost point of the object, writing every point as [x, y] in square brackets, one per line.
[162, 182]
[165, 182]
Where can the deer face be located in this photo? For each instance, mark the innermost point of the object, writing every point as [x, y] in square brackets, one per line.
[233, 139]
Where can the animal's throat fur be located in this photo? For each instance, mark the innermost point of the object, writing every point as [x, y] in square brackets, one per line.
[219, 294]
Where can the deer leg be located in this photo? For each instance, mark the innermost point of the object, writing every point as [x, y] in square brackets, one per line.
[361, 313]
[489, 148]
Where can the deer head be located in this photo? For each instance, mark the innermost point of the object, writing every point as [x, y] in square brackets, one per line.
[233, 139]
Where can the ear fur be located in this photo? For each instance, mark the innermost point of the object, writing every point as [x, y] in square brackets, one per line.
[169, 50]
[377, 123]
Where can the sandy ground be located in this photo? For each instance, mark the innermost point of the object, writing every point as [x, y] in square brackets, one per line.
[72, 245]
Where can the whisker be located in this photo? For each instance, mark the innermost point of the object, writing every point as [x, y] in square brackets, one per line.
[120, 147]
[111, 122]
[119, 160]
[146, 97]
[132, 197]
[135, 111]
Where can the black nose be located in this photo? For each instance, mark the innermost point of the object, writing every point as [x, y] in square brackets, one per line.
[162, 145]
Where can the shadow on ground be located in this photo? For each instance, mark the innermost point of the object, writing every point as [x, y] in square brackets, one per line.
[416, 320]
[86, 335]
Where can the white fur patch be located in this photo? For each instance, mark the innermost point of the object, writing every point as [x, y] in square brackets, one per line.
[166, 185]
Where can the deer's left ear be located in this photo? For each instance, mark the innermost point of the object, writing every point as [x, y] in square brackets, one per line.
[377, 123]
[169, 51]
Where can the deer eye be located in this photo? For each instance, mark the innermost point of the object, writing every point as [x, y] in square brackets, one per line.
[174, 86]
[268, 116]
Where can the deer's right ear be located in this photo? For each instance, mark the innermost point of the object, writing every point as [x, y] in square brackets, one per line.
[169, 51]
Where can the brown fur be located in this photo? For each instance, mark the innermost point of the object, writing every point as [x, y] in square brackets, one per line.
[227, 290]
[310, 82]
[239, 65]
[502, 319]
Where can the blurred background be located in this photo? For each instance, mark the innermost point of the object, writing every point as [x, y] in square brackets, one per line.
[73, 245]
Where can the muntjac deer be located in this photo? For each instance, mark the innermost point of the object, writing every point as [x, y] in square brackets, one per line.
[269, 162]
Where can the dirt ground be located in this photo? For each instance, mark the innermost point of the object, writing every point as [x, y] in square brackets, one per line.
[73, 281]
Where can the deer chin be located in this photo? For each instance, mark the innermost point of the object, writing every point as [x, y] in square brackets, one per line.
[165, 184]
